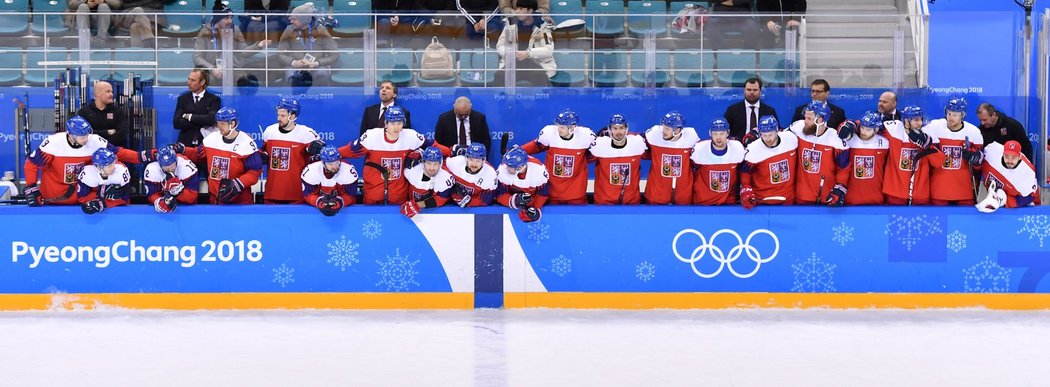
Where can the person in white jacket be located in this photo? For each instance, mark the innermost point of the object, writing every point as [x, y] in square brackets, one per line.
[533, 59]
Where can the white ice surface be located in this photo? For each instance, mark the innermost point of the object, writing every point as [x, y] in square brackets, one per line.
[526, 348]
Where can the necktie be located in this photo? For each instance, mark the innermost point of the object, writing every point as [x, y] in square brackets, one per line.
[196, 99]
[462, 132]
[382, 118]
[754, 118]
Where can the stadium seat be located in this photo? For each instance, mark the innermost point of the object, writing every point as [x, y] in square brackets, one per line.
[49, 24]
[478, 67]
[36, 74]
[660, 77]
[692, 70]
[100, 71]
[183, 25]
[609, 68]
[144, 72]
[352, 25]
[10, 66]
[572, 71]
[174, 66]
[562, 10]
[14, 17]
[237, 6]
[450, 81]
[735, 67]
[605, 26]
[395, 65]
[771, 65]
[647, 16]
[350, 71]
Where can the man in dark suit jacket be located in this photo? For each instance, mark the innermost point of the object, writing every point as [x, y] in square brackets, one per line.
[819, 90]
[473, 123]
[195, 109]
[387, 98]
[888, 106]
[744, 115]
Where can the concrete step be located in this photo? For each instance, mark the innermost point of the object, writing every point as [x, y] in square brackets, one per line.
[852, 44]
[852, 7]
[857, 18]
[857, 60]
[859, 30]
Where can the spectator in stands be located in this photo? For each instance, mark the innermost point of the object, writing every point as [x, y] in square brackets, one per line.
[98, 13]
[541, 8]
[373, 116]
[779, 17]
[1000, 128]
[208, 47]
[195, 109]
[133, 21]
[819, 90]
[264, 17]
[481, 18]
[743, 116]
[730, 17]
[888, 106]
[462, 126]
[307, 51]
[397, 18]
[534, 54]
[105, 118]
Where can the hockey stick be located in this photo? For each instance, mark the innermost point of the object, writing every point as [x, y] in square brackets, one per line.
[915, 167]
[820, 190]
[623, 187]
[23, 109]
[780, 199]
[503, 143]
[386, 180]
[973, 183]
[70, 189]
[674, 186]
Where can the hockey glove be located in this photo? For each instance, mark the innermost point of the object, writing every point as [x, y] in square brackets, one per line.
[410, 209]
[992, 202]
[530, 214]
[750, 137]
[165, 204]
[463, 200]
[520, 201]
[32, 193]
[975, 158]
[314, 148]
[115, 192]
[837, 196]
[847, 129]
[264, 156]
[459, 150]
[92, 206]
[919, 138]
[747, 198]
[173, 186]
[147, 156]
[229, 189]
[178, 148]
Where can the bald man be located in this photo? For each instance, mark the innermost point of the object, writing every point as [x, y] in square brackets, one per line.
[462, 126]
[888, 106]
[104, 117]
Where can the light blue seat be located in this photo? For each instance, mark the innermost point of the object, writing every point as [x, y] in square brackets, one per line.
[478, 67]
[395, 65]
[605, 26]
[692, 70]
[772, 67]
[100, 71]
[358, 20]
[237, 6]
[735, 67]
[660, 77]
[144, 71]
[37, 74]
[183, 25]
[572, 69]
[609, 68]
[10, 66]
[14, 17]
[647, 16]
[350, 69]
[562, 10]
[173, 66]
[49, 24]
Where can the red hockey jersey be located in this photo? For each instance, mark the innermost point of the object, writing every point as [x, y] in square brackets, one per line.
[566, 162]
[899, 165]
[771, 171]
[670, 168]
[866, 169]
[616, 169]
[229, 159]
[480, 186]
[157, 180]
[819, 157]
[376, 148]
[288, 157]
[1017, 182]
[91, 184]
[951, 177]
[60, 164]
[716, 176]
[315, 183]
[534, 182]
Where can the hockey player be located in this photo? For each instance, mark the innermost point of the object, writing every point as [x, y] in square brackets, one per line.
[907, 179]
[670, 143]
[715, 166]
[329, 184]
[286, 150]
[233, 160]
[566, 145]
[1009, 178]
[170, 180]
[430, 185]
[867, 164]
[767, 175]
[388, 148]
[57, 162]
[103, 184]
[617, 157]
[475, 179]
[951, 178]
[821, 151]
[523, 184]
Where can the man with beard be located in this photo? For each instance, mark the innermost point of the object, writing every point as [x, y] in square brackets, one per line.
[951, 179]
[715, 165]
[617, 156]
[821, 152]
[767, 174]
[287, 149]
[996, 126]
[329, 184]
[743, 116]
[375, 115]
[233, 160]
[670, 144]
[475, 179]
[907, 168]
[430, 185]
[888, 106]
[1009, 178]
[867, 161]
[566, 145]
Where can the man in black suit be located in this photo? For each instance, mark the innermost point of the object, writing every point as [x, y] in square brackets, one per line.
[888, 106]
[819, 90]
[462, 126]
[195, 109]
[105, 118]
[1000, 128]
[372, 118]
[743, 116]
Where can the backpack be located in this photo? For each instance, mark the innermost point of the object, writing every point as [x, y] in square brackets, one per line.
[437, 61]
[690, 19]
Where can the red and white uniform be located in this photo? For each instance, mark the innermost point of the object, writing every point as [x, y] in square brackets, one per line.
[61, 164]
[480, 186]
[376, 148]
[566, 162]
[157, 181]
[865, 172]
[1018, 182]
[771, 171]
[899, 166]
[435, 191]
[819, 157]
[534, 182]
[616, 169]
[670, 166]
[315, 183]
[229, 159]
[91, 184]
[288, 157]
[716, 176]
[951, 178]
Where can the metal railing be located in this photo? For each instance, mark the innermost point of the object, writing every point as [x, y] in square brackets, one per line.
[919, 17]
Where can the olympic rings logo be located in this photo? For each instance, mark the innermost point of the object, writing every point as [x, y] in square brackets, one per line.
[725, 260]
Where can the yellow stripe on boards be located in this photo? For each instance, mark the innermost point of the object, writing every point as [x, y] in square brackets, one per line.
[227, 301]
[1002, 301]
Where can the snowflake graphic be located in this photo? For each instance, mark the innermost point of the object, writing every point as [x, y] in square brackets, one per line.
[843, 234]
[645, 271]
[986, 277]
[539, 232]
[1036, 226]
[813, 275]
[956, 241]
[910, 230]
[282, 275]
[561, 266]
[372, 229]
[397, 272]
[343, 253]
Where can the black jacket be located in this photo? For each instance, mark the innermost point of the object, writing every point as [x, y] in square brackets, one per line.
[736, 115]
[446, 131]
[103, 120]
[1005, 130]
[370, 119]
[895, 115]
[837, 117]
[203, 115]
[783, 9]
